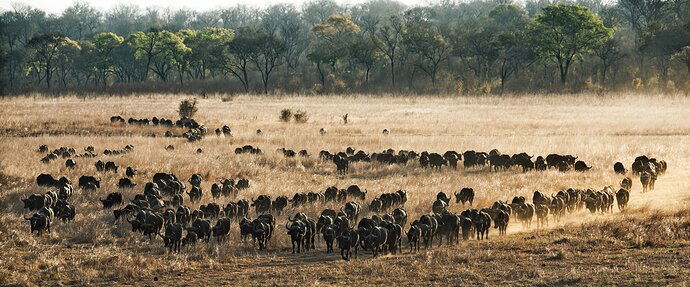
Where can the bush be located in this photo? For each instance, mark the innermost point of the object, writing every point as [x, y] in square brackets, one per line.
[285, 115]
[187, 108]
[301, 116]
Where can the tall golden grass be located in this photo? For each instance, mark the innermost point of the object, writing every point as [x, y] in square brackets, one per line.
[92, 250]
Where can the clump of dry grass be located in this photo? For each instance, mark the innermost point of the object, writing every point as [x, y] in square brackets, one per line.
[187, 108]
[285, 115]
[301, 116]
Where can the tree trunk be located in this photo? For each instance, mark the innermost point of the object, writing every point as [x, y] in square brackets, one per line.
[321, 76]
[564, 73]
[48, 74]
[393, 72]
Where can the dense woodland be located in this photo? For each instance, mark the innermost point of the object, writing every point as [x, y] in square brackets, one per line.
[381, 46]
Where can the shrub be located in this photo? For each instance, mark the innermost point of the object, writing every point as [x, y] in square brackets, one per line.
[285, 115]
[187, 108]
[301, 116]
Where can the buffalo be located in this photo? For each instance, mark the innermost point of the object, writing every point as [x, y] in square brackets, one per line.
[466, 194]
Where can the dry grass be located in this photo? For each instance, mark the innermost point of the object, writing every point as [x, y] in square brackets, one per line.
[645, 244]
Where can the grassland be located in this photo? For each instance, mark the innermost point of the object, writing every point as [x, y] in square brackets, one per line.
[647, 244]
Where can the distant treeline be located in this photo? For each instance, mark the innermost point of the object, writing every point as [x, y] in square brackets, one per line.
[381, 46]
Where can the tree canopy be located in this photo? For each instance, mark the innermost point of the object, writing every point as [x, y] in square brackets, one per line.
[465, 47]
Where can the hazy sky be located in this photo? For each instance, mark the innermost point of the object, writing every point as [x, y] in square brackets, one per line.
[56, 6]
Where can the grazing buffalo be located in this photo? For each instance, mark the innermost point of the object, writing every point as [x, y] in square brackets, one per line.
[581, 166]
[439, 206]
[262, 204]
[70, 163]
[125, 183]
[37, 201]
[221, 229]
[466, 194]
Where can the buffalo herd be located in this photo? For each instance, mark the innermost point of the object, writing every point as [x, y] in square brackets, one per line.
[166, 205]
[494, 160]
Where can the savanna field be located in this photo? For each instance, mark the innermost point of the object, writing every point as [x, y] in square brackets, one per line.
[647, 244]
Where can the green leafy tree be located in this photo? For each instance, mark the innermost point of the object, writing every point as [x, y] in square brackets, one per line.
[65, 61]
[206, 46]
[334, 38]
[146, 45]
[161, 51]
[564, 33]
[45, 50]
[127, 66]
[105, 43]
[175, 53]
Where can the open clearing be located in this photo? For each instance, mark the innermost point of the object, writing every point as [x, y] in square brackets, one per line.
[648, 244]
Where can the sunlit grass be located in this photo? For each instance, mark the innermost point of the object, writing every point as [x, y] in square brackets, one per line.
[598, 129]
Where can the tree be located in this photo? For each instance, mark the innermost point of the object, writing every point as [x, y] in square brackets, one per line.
[127, 66]
[475, 43]
[123, 19]
[684, 57]
[174, 53]
[387, 39]
[146, 47]
[81, 20]
[365, 52]
[284, 21]
[206, 47]
[317, 11]
[642, 15]
[241, 50]
[662, 42]
[334, 38]
[64, 63]
[513, 55]
[564, 33]
[45, 51]
[21, 24]
[512, 52]
[105, 43]
[267, 55]
[423, 39]
[609, 53]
